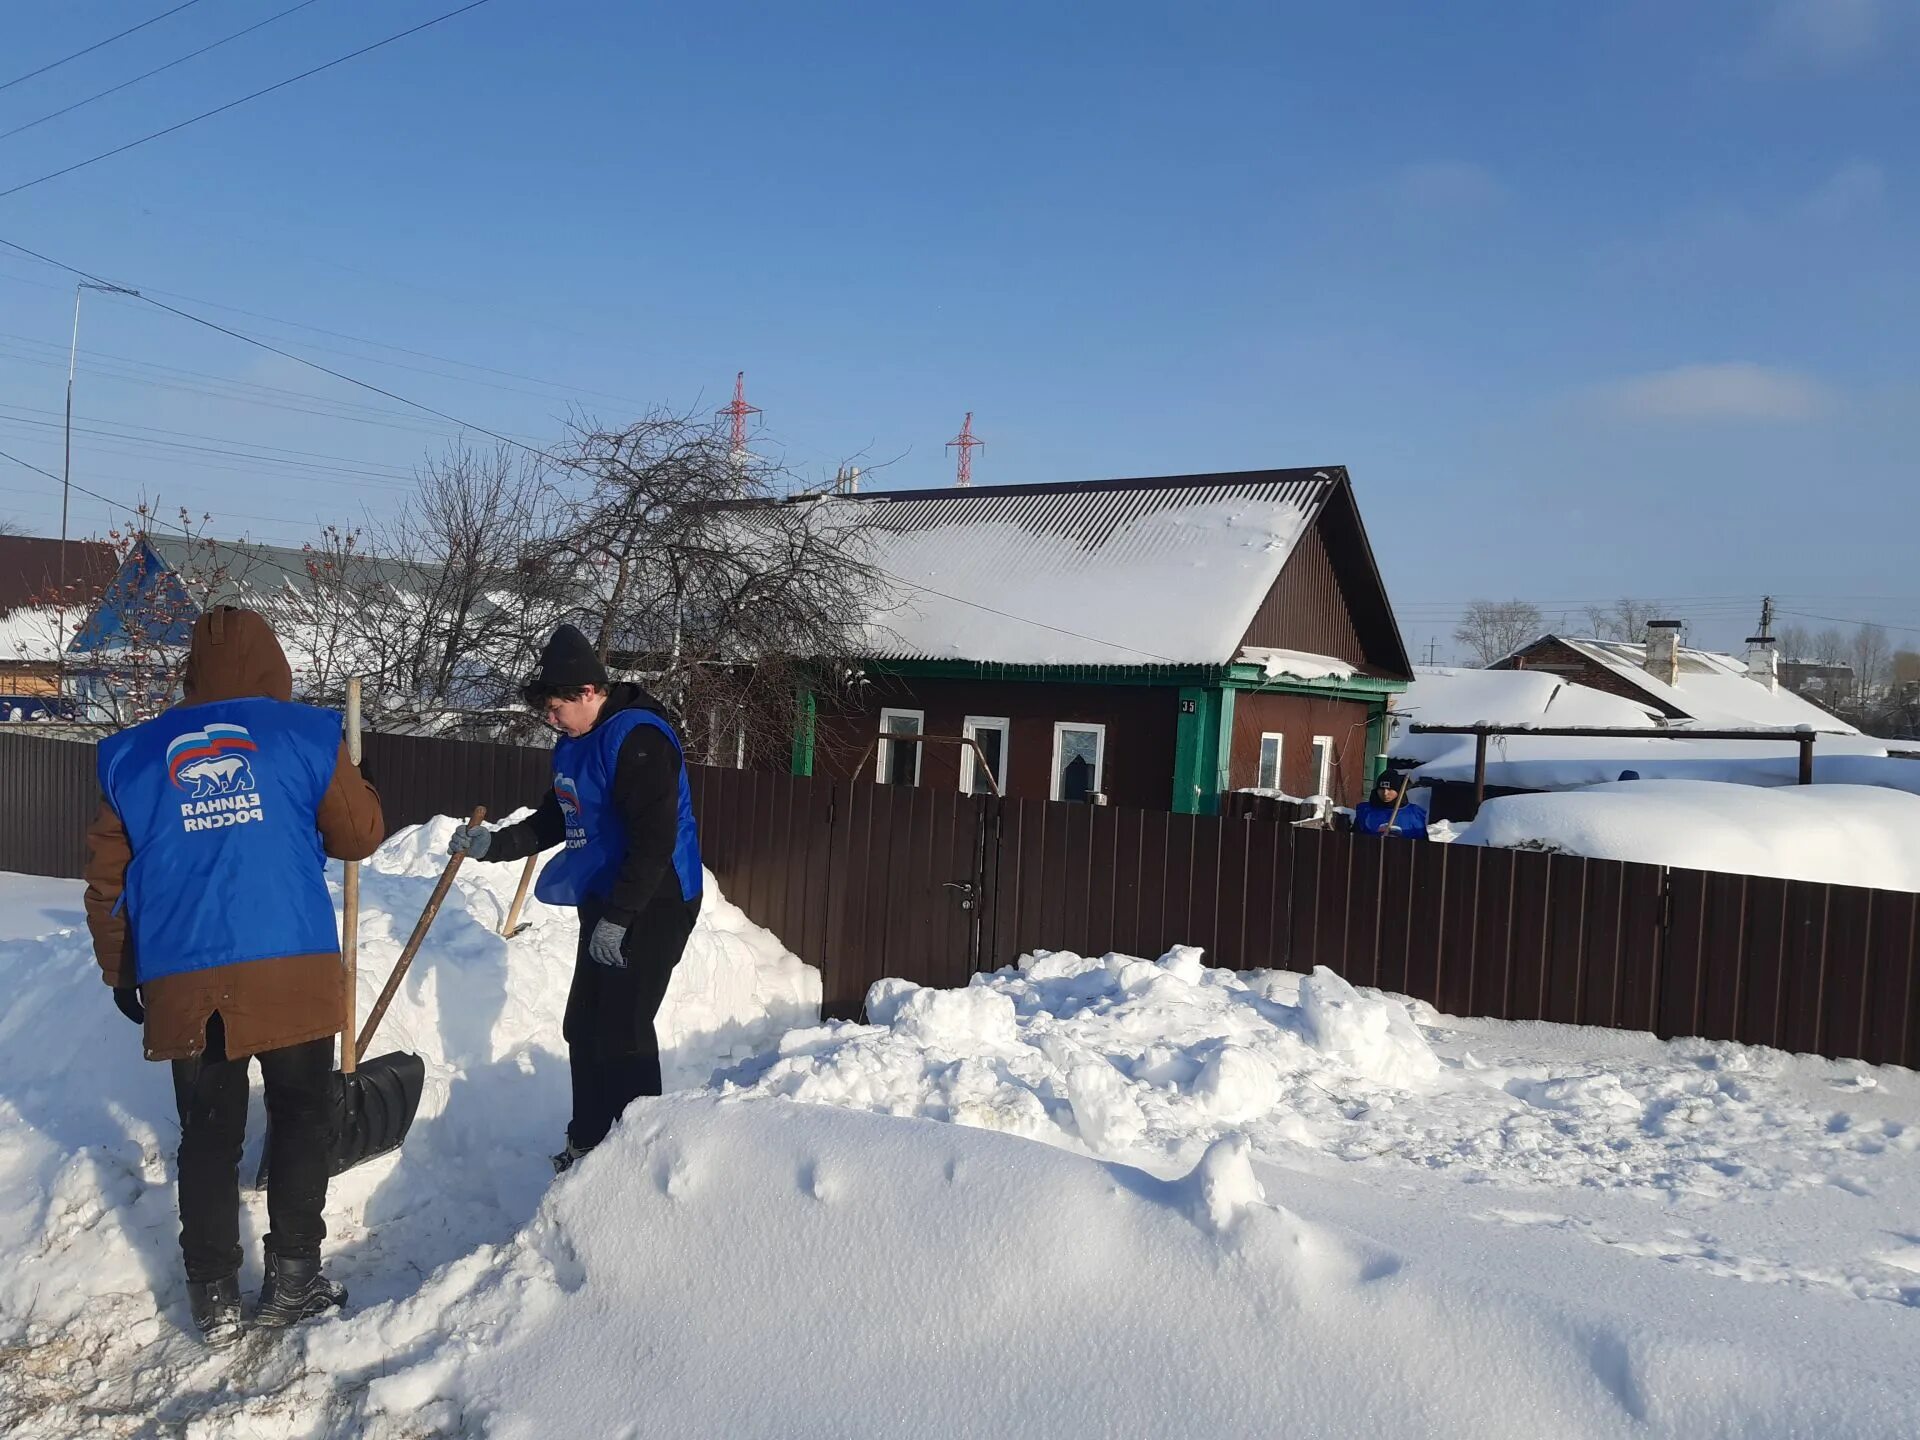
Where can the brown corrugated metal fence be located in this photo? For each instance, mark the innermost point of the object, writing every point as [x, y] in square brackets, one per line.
[867, 881]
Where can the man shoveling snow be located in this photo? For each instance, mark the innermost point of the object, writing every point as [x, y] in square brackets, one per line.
[621, 803]
[207, 901]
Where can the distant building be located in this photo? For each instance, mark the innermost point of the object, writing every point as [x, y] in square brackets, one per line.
[34, 624]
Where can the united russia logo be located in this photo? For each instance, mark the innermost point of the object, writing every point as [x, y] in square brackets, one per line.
[212, 761]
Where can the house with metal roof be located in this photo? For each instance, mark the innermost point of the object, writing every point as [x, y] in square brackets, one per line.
[46, 585]
[1149, 643]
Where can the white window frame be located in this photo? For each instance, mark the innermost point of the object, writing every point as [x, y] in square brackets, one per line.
[881, 767]
[970, 759]
[1099, 756]
[1323, 778]
[1279, 761]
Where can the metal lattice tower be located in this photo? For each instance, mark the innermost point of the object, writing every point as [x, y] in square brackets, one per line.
[965, 442]
[739, 410]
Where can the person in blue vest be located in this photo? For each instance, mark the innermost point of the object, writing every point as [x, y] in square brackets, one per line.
[631, 866]
[1388, 812]
[208, 904]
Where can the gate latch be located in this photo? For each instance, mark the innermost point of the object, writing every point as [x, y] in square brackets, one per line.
[965, 887]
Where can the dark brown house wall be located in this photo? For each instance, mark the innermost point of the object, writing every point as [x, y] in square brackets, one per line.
[1299, 718]
[1328, 599]
[1141, 723]
[1305, 609]
[1560, 658]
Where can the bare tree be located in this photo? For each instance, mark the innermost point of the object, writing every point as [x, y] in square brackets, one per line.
[1626, 620]
[1795, 643]
[10, 526]
[1493, 629]
[447, 616]
[714, 580]
[1870, 650]
[1830, 647]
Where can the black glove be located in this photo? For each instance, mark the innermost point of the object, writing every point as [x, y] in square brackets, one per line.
[127, 998]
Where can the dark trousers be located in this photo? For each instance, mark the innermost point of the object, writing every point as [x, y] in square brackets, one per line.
[612, 1048]
[211, 1091]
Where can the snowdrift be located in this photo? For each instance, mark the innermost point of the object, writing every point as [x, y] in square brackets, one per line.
[1836, 834]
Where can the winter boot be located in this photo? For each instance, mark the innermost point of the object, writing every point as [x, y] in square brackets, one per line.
[216, 1310]
[563, 1162]
[295, 1290]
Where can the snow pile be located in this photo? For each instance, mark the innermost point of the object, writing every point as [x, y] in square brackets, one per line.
[1343, 1214]
[88, 1227]
[1114, 1056]
[1838, 834]
[1299, 664]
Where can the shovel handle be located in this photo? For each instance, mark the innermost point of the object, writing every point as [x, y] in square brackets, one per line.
[507, 928]
[350, 904]
[420, 929]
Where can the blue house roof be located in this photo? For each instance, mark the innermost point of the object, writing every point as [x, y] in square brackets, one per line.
[145, 604]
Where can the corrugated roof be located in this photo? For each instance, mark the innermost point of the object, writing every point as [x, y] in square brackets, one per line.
[1714, 689]
[30, 564]
[1121, 572]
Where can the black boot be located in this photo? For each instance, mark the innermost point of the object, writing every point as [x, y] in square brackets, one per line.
[216, 1310]
[295, 1290]
[563, 1162]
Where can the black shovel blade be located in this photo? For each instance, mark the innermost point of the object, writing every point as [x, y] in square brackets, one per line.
[373, 1108]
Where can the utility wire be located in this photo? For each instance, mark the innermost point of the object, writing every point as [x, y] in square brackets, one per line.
[98, 44]
[232, 104]
[287, 354]
[157, 70]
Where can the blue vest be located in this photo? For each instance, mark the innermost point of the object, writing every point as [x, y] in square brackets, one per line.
[1371, 818]
[583, 769]
[221, 804]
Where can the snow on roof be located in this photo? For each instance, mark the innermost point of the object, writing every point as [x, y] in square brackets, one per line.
[1714, 690]
[1136, 572]
[36, 634]
[1297, 664]
[1834, 834]
[1441, 695]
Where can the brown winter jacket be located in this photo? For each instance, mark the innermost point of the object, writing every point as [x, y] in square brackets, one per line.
[265, 1004]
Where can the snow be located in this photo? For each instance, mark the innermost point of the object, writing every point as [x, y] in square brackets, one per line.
[35, 905]
[1297, 664]
[1713, 690]
[1258, 1200]
[36, 634]
[1177, 583]
[1442, 695]
[1835, 834]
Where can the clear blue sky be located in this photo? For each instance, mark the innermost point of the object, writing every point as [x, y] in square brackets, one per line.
[1593, 300]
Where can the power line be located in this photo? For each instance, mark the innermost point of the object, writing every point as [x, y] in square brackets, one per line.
[258, 343]
[157, 70]
[98, 44]
[232, 104]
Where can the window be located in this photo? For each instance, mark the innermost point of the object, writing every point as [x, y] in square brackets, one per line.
[899, 764]
[1079, 757]
[1321, 765]
[990, 734]
[1269, 778]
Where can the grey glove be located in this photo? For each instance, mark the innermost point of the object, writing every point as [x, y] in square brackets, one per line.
[473, 841]
[604, 945]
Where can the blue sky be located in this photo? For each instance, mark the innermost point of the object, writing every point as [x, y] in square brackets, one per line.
[1593, 300]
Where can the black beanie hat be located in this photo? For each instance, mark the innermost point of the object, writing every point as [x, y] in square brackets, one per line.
[568, 662]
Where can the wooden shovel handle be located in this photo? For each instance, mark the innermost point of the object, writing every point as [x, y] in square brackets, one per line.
[420, 929]
[520, 895]
[350, 904]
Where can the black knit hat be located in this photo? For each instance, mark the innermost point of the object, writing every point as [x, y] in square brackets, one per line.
[568, 662]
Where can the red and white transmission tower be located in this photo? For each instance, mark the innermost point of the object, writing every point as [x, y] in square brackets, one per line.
[965, 442]
[739, 410]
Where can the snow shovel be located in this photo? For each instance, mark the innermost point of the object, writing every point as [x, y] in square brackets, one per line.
[508, 927]
[374, 1102]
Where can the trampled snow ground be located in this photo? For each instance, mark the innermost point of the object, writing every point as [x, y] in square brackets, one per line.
[1257, 1204]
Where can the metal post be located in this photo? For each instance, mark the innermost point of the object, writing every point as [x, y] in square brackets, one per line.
[1806, 758]
[1479, 770]
[66, 468]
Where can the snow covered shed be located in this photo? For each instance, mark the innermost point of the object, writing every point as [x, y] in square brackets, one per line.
[1155, 642]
